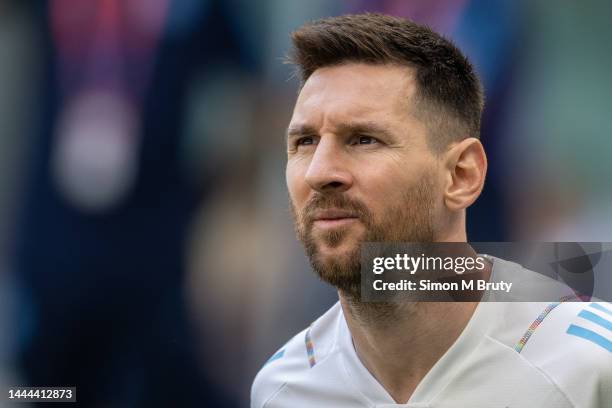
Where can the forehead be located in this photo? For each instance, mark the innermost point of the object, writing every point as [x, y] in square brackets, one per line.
[355, 90]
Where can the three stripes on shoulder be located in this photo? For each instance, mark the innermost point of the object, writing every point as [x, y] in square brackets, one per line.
[594, 324]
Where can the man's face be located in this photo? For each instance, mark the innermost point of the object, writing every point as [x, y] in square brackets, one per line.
[359, 167]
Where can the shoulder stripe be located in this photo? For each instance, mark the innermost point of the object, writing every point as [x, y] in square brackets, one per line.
[276, 356]
[310, 349]
[585, 314]
[600, 308]
[590, 336]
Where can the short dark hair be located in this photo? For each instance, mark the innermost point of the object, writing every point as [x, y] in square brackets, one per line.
[449, 95]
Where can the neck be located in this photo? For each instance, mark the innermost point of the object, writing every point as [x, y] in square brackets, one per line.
[400, 343]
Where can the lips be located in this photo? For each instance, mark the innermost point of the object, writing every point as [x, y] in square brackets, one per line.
[332, 215]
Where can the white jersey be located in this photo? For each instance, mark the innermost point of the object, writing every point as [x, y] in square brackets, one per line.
[510, 355]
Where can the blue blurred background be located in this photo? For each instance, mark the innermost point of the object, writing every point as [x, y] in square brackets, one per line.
[146, 250]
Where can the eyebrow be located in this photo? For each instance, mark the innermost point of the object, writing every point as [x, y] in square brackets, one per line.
[301, 130]
[366, 128]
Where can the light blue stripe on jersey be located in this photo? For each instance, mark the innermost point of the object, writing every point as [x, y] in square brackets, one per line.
[276, 356]
[585, 314]
[590, 336]
[601, 308]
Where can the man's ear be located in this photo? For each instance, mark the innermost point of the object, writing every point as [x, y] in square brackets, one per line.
[466, 166]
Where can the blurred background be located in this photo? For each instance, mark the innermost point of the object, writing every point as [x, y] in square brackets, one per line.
[146, 251]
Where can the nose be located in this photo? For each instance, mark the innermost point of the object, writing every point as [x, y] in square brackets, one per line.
[328, 170]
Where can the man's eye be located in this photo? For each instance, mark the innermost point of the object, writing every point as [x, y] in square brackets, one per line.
[366, 140]
[305, 141]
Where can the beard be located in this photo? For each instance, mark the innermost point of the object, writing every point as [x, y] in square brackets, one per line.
[408, 220]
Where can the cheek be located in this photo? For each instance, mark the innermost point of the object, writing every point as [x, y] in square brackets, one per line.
[381, 183]
[386, 185]
[296, 183]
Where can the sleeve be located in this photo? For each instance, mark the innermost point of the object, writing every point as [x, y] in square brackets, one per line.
[286, 365]
[574, 348]
[268, 381]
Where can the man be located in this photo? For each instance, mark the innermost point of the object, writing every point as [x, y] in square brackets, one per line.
[383, 146]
